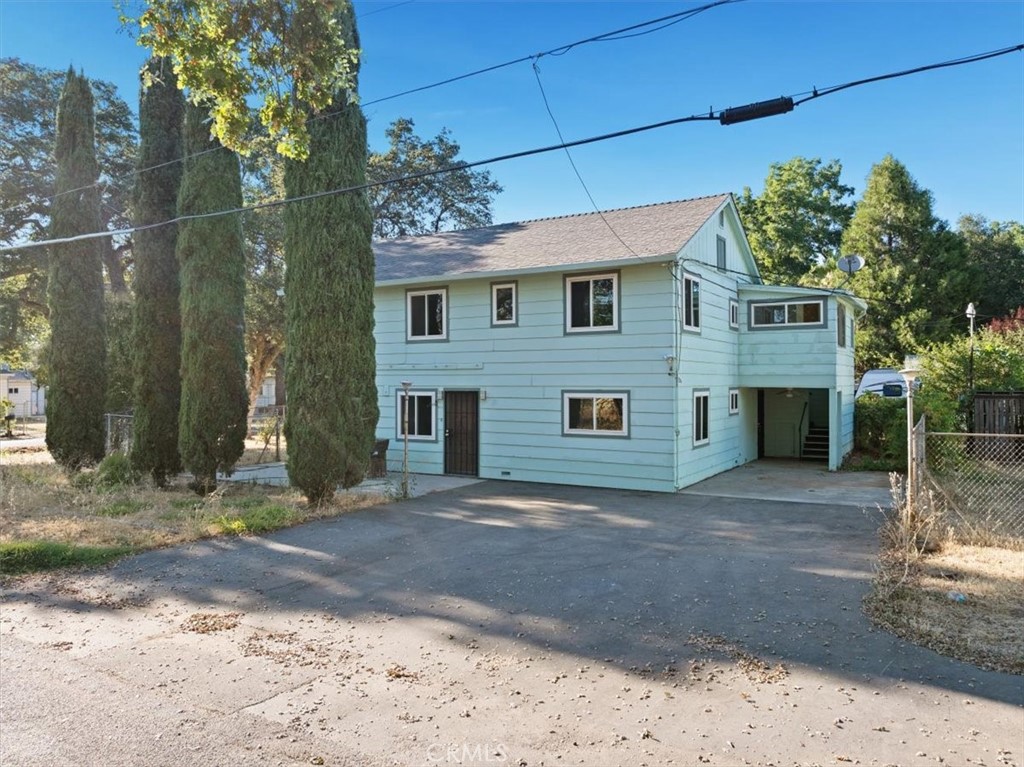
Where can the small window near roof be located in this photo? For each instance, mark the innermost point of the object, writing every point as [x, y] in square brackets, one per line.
[691, 302]
[841, 324]
[734, 314]
[721, 253]
[721, 218]
[734, 401]
[504, 303]
[786, 313]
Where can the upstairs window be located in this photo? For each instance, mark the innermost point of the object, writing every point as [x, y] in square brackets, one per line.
[592, 303]
[691, 302]
[841, 324]
[422, 407]
[787, 313]
[504, 303]
[426, 318]
[721, 253]
[734, 314]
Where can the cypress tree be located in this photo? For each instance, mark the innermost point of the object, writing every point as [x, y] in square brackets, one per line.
[77, 354]
[157, 321]
[331, 366]
[212, 421]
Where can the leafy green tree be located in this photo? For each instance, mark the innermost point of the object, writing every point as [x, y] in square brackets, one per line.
[915, 277]
[331, 367]
[28, 105]
[998, 365]
[460, 199]
[290, 55]
[77, 358]
[796, 224]
[996, 252]
[264, 262]
[157, 320]
[212, 421]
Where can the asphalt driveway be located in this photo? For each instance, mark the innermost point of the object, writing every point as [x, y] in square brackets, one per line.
[499, 623]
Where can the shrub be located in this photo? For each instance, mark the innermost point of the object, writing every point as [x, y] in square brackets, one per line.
[880, 430]
[115, 470]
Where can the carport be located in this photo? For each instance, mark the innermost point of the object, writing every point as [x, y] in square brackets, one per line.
[798, 482]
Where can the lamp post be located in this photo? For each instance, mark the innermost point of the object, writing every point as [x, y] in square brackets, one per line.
[911, 370]
[971, 314]
[406, 385]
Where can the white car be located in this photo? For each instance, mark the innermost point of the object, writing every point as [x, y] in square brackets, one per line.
[885, 382]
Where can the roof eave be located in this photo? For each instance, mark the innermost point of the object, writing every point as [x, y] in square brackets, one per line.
[588, 266]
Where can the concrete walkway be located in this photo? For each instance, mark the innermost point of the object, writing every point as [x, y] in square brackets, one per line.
[798, 482]
[391, 485]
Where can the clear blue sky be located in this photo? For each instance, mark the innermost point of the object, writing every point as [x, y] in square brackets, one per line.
[959, 131]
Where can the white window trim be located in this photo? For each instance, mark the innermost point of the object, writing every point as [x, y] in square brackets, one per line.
[697, 440]
[399, 395]
[734, 401]
[569, 281]
[786, 304]
[409, 295]
[689, 279]
[495, 287]
[734, 314]
[623, 395]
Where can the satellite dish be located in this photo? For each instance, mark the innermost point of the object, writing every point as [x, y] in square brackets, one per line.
[851, 264]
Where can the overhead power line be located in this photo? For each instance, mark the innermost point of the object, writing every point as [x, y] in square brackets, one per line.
[710, 116]
[616, 34]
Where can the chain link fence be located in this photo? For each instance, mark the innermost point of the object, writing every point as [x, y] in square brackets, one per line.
[973, 483]
[264, 439]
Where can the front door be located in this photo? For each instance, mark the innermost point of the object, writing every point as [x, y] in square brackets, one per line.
[462, 433]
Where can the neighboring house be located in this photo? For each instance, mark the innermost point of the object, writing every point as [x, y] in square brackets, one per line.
[636, 349]
[19, 386]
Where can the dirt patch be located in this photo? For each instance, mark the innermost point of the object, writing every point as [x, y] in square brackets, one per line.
[962, 601]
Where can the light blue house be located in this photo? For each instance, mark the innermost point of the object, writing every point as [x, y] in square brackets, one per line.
[636, 349]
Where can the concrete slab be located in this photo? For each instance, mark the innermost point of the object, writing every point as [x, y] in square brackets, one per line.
[419, 484]
[798, 482]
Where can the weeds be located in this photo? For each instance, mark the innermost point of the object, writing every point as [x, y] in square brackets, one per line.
[959, 600]
[121, 508]
[27, 556]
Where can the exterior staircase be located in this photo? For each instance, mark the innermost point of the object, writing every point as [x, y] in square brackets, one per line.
[815, 444]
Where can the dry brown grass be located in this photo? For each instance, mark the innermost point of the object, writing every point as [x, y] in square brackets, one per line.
[964, 601]
[39, 502]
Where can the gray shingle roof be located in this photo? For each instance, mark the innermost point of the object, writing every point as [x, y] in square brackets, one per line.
[650, 230]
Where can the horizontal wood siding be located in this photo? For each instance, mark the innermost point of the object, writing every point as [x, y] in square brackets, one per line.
[523, 370]
[709, 359]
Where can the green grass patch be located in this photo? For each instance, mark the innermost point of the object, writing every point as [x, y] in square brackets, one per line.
[253, 521]
[121, 508]
[18, 557]
[185, 504]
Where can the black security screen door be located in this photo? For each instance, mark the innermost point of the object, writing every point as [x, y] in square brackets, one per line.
[461, 433]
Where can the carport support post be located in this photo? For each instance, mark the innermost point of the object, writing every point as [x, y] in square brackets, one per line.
[406, 385]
